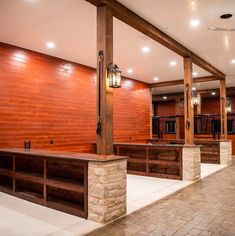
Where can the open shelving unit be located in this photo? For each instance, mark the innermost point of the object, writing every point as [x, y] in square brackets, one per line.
[210, 149]
[57, 183]
[152, 160]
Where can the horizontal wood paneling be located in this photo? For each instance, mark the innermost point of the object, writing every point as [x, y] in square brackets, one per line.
[41, 102]
[132, 112]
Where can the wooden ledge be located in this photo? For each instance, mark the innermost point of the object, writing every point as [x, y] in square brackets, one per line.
[62, 155]
[149, 144]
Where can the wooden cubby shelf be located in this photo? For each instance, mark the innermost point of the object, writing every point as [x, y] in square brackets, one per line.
[210, 149]
[152, 160]
[58, 183]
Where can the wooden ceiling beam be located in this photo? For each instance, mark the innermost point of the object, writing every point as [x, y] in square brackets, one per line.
[132, 19]
[178, 82]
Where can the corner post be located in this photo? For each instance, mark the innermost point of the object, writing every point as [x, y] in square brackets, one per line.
[177, 112]
[104, 92]
[188, 106]
[223, 113]
[191, 153]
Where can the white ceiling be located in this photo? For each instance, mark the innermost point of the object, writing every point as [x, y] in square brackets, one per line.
[71, 25]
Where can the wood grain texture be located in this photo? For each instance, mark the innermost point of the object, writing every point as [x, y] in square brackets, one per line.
[42, 102]
[223, 113]
[105, 43]
[188, 107]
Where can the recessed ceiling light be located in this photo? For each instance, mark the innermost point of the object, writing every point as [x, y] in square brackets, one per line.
[194, 23]
[165, 97]
[213, 93]
[212, 28]
[173, 63]
[226, 16]
[193, 88]
[145, 49]
[50, 45]
[195, 73]
[129, 71]
[233, 61]
[155, 78]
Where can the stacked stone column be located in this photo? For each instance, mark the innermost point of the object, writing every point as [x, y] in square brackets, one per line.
[107, 190]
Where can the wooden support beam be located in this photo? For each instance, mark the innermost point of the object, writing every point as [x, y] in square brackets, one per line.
[178, 82]
[223, 113]
[105, 93]
[167, 83]
[188, 106]
[132, 19]
[204, 79]
[199, 106]
[199, 112]
[151, 112]
[177, 112]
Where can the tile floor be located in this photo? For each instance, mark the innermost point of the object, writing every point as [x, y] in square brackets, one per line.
[205, 208]
[22, 218]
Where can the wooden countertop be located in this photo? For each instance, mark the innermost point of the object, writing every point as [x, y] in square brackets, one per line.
[149, 144]
[63, 155]
[196, 140]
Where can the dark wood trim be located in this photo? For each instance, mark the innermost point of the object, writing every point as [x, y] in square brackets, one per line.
[129, 17]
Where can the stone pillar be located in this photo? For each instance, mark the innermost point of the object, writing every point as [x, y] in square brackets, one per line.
[106, 190]
[225, 152]
[191, 157]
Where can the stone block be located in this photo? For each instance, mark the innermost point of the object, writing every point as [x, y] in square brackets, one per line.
[225, 152]
[191, 157]
[106, 190]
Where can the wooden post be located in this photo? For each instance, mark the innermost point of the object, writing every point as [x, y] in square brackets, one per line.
[199, 112]
[223, 113]
[199, 106]
[188, 106]
[105, 93]
[177, 112]
[151, 113]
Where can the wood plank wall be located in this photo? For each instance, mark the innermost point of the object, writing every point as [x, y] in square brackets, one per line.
[42, 102]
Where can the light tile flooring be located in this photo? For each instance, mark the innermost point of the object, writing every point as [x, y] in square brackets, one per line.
[205, 208]
[22, 218]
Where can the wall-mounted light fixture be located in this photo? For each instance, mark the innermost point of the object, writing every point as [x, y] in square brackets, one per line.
[228, 105]
[114, 76]
[66, 68]
[195, 98]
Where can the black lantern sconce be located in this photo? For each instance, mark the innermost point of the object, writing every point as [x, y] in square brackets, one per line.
[195, 98]
[114, 76]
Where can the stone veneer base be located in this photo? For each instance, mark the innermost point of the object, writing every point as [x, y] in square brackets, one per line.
[225, 152]
[191, 157]
[106, 190]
